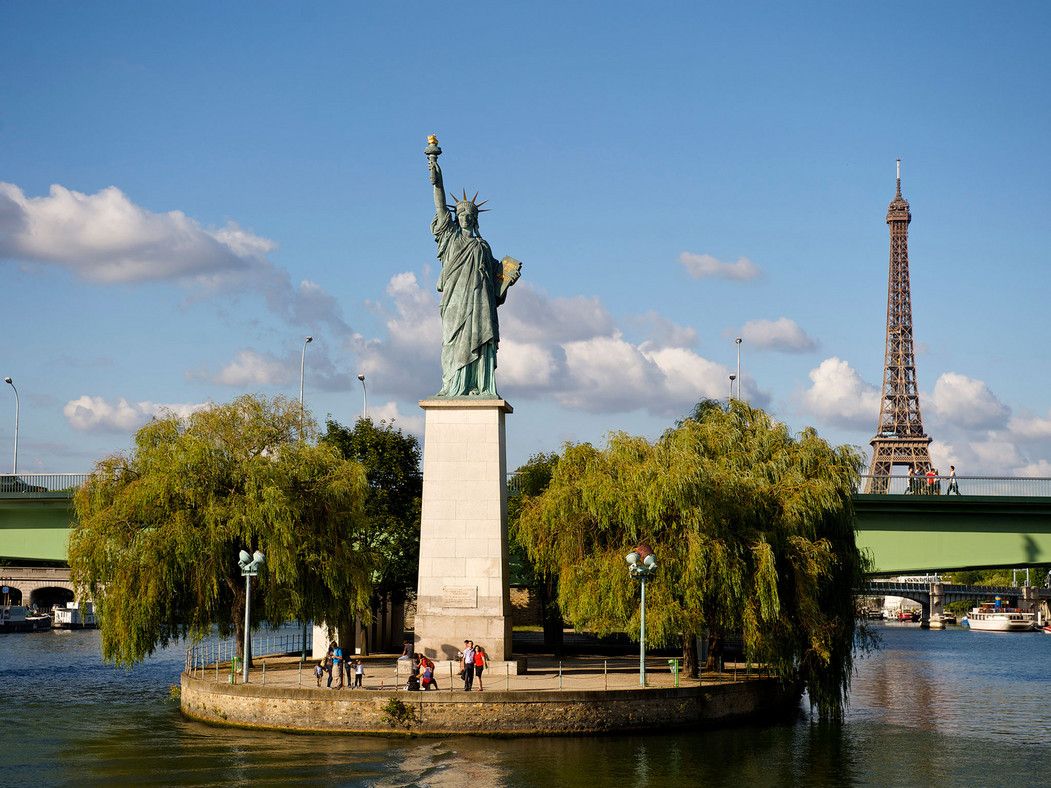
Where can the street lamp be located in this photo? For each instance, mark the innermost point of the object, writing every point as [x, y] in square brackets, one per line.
[302, 370]
[738, 341]
[364, 397]
[12, 385]
[249, 568]
[732, 379]
[642, 564]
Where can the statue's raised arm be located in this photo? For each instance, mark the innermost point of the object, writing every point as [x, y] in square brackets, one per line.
[433, 152]
[473, 284]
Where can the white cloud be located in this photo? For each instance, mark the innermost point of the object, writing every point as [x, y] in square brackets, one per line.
[609, 374]
[251, 368]
[407, 360]
[781, 334]
[390, 413]
[663, 333]
[995, 455]
[104, 237]
[526, 365]
[94, 414]
[1039, 469]
[530, 315]
[108, 239]
[839, 395]
[565, 349]
[701, 266]
[1030, 427]
[967, 402]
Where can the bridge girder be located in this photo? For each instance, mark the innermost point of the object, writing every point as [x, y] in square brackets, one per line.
[909, 534]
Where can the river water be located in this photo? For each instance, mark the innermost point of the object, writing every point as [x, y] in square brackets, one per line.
[946, 708]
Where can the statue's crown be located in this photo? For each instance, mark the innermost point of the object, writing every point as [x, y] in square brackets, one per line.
[466, 203]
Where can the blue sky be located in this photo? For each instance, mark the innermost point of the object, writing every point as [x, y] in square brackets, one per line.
[190, 189]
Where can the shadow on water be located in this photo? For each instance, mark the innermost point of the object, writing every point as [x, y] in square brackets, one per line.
[938, 709]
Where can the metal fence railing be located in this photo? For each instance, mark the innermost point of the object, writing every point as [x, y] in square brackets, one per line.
[965, 485]
[214, 651]
[40, 483]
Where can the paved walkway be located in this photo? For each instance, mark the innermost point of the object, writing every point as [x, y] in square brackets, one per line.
[594, 674]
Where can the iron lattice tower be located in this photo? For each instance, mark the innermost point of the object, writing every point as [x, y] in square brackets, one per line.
[900, 439]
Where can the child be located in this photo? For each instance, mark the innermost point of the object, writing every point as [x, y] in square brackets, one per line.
[359, 673]
[319, 671]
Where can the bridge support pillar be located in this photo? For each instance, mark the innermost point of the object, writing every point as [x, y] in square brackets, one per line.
[936, 608]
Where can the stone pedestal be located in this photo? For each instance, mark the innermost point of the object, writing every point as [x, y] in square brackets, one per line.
[463, 591]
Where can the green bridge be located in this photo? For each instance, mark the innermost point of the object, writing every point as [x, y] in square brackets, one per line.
[997, 522]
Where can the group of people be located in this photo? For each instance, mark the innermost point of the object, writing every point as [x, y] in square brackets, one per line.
[334, 664]
[421, 677]
[473, 661]
[929, 483]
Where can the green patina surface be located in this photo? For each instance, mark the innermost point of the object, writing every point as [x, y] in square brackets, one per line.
[902, 533]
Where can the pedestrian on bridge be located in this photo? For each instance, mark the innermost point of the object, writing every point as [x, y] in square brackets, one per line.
[953, 487]
[932, 481]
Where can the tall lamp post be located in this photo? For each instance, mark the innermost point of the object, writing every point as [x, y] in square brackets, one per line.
[642, 564]
[302, 370]
[364, 397]
[732, 379]
[12, 385]
[738, 341]
[249, 568]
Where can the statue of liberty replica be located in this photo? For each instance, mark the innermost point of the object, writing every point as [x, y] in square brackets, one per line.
[473, 284]
[462, 591]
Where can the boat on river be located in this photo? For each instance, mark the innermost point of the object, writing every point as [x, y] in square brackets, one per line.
[17, 618]
[987, 617]
[70, 616]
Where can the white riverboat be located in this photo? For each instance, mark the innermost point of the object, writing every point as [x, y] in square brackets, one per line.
[69, 616]
[989, 618]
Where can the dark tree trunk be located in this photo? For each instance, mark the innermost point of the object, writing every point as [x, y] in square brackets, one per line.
[715, 652]
[553, 622]
[689, 655]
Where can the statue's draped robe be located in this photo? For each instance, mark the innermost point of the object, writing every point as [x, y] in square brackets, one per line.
[470, 295]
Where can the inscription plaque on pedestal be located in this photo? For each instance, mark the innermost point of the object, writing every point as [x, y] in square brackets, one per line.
[460, 596]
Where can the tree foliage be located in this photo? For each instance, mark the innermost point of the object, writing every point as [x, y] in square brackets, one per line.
[529, 481]
[391, 528]
[753, 531]
[159, 530]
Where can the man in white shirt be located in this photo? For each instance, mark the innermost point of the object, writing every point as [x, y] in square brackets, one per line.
[468, 665]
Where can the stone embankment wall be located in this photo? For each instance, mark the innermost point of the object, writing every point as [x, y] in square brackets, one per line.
[492, 713]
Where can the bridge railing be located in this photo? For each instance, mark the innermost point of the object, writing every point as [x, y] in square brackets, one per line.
[966, 485]
[39, 483]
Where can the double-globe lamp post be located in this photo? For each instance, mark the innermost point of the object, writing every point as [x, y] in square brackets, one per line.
[642, 564]
[9, 382]
[249, 568]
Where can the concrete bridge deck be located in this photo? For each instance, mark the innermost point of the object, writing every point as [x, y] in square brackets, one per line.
[996, 522]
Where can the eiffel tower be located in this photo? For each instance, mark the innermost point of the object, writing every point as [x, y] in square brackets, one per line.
[900, 439]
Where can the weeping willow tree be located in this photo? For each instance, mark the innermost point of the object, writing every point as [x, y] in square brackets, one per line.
[753, 529]
[159, 529]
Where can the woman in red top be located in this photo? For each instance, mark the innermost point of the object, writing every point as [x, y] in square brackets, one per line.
[480, 662]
